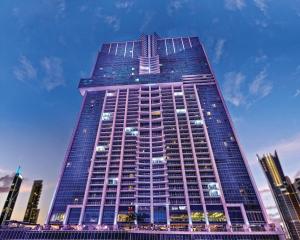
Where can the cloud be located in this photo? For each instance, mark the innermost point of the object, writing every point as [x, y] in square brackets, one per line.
[260, 86]
[53, 73]
[261, 23]
[147, 19]
[5, 183]
[25, 70]
[261, 58]
[287, 148]
[235, 4]
[125, 4]
[232, 88]
[175, 5]
[219, 49]
[261, 5]
[113, 21]
[297, 93]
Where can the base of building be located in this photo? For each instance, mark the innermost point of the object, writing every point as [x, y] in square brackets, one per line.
[17, 234]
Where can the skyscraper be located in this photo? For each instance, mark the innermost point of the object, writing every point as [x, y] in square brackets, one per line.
[154, 147]
[32, 211]
[297, 186]
[11, 197]
[284, 193]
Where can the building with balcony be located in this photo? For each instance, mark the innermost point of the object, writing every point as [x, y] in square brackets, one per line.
[154, 148]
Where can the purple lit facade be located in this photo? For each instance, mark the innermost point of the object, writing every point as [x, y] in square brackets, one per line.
[154, 148]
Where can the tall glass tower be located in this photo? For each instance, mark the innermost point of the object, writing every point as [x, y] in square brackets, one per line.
[284, 193]
[12, 196]
[154, 147]
[32, 210]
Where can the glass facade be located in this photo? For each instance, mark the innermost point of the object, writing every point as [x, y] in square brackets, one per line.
[284, 192]
[154, 148]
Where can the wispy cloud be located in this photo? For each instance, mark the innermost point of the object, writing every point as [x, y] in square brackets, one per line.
[232, 88]
[219, 49]
[175, 5]
[261, 58]
[53, 73]
[261, 23]
[61, 7]
[124, 4]
[5, 182]
[25, 70]
[261, 5]
[147, 19]
[111, 20]
[235, 4]
[297, 93]
[260, 86]
[287, 148]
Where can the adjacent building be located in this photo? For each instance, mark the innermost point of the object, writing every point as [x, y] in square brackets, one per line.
[284, 193]
[154, 148]
[11, 197]
[297, 186]
[32, 211]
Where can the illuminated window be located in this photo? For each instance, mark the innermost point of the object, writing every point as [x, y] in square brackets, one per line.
[219, 121]
[213, 189]
[216, 217]
[179, 217]
[106, 116]
[100, 148]
[110, 94]
[214, 105]
[137, 79]
[208, 113]
[122, 218]
[198, 216]
[157, 160]
[132, 69]
[198, 122]
[178, 94]
[131, 131]
[112, 181]
[181, 111]
[225, 144]
[57, 217]
[182, 207]
[68, 164]
[156, 113]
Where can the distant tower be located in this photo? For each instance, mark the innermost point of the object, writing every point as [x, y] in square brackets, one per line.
[284, 194]
[11, 197]
[32, 211]
[297, 186]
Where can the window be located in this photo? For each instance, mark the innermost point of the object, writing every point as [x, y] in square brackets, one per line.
[198, 122]
[178, 94]
[181, 111]
[106, 116]
[110, 94]
[131, 131]
[208, 113]
[157, 160]
[100, 148]
[213, 189]
[112, 181]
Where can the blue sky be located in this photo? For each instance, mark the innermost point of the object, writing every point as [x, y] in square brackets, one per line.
[46, 46]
